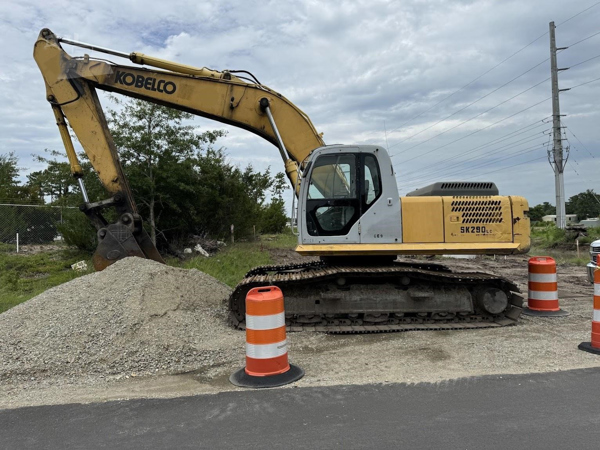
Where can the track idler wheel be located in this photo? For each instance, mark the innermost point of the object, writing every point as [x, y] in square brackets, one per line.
[492, 300]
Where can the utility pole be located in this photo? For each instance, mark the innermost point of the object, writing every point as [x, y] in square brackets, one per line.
[555, 156]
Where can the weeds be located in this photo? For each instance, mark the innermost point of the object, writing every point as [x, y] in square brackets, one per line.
[233, 262]
[563, 256]
[593, 234]
[549, 236]
[24, 276]
[547, 240]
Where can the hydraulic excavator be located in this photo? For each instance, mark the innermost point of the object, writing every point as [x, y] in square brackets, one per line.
[348, 210]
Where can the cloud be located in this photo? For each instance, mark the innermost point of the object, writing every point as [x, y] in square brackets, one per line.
[364, 72]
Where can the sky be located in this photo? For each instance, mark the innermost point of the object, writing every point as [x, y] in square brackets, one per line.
[455, 90]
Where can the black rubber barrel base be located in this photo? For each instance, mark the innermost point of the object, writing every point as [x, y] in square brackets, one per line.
[242, 379]
[587, 347]
[536, 313]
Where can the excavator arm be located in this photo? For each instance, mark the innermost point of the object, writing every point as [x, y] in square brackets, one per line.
[71, 84]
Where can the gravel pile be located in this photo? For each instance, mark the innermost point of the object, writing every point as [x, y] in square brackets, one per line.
[137, 317]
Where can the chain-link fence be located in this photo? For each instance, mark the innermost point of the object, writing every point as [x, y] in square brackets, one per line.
[34, 224]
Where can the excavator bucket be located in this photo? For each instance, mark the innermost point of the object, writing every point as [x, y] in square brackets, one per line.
[122, 239]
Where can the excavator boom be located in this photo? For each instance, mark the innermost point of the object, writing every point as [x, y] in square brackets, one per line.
[71, 85]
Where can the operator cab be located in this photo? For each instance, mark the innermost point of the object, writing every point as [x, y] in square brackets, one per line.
[343, 191]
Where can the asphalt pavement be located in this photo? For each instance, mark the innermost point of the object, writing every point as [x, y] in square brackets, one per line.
[539, 411]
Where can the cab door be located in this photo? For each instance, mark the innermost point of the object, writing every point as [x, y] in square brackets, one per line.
[333, 201]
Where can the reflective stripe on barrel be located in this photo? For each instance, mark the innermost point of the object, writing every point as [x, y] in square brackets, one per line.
[596, 317]
[266, 344]
[543, 287]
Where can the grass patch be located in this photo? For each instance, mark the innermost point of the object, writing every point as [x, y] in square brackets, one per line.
[24, 276]
[547, 240]
[234, 261]
[284, 240]
[231, 264]
[549, 236]
[563, 256]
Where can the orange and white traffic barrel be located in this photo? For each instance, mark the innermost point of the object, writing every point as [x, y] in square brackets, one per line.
[267, 362]
[542, 298]
[594, 345]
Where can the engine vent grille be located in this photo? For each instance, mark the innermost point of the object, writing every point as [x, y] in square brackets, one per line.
[455, 188]
[478, 211]
[467, 185]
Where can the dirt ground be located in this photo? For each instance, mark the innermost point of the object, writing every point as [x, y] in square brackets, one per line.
[533, 345]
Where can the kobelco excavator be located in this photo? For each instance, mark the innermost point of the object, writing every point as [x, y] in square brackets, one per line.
[348, 210]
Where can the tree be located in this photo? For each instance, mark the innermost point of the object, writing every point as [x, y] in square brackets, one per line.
[154, 145]
[585, 204]
[8, 175]
[10, 188]
[57, 182]
[220, 194]
[274, 218]
[538, 211]
[181, 183]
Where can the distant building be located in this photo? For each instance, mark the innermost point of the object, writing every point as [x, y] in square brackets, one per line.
[569, 218]
[593, 222]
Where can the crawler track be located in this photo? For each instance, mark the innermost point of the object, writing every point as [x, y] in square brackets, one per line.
[352, 299]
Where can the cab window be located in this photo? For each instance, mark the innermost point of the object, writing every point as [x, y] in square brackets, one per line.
[333, 177]
[372, 180]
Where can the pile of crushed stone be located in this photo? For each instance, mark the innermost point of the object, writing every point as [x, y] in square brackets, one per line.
[135, 318]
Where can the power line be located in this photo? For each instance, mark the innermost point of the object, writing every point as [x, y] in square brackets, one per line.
[470, 82]
[468, 120]
[510, 167]
[582, 40]
[524, 151]
[579, 13]
[570, 131]
[582, 84]
[485, 73]
[451, 168]
[513, 144]
[457, 174]
[495, 141]
[580, 63]
[489, 126]
[440, 172]
[585, 178]
[471, 104]
[493, 124]
[472, 158]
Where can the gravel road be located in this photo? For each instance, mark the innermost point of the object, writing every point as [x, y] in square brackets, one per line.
[140, 329]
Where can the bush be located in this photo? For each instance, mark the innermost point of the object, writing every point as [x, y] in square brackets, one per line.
[273, 217]
[78, 231]
[593, 234]
[549, 236]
